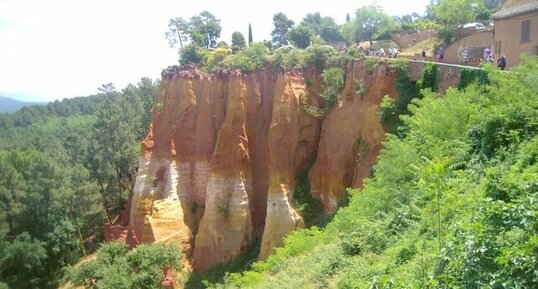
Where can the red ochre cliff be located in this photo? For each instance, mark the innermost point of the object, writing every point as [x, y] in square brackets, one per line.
[220, 163]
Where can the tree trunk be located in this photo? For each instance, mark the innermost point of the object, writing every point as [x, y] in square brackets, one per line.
[105, 205]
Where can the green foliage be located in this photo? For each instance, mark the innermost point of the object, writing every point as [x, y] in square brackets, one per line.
[249, 35]
[115, 267]
[333, 83]
[429, 80]
[469, 76]
[369, 23]
[451, 204]
[360, 88]
[64, 172]
[203, 30]
[238, 41]
[324, 27]
[23, 262]
[387, 109]
[192, 54]
[287, 57]
[455, 12]
[319, 56]
[309, 207]
[250, 59]
[216, 57]
[281, 27]
[178, 30]
[300, 36]
[371, 63]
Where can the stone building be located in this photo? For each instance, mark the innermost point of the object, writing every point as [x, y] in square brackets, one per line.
[516, 30]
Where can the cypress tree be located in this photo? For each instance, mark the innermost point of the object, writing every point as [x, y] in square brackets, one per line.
[249, 34]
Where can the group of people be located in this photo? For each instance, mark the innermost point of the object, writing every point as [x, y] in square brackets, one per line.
[381, 52]
[488, 56]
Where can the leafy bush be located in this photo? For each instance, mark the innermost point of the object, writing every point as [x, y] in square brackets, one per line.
[309, 207]
[115, 267]
[387, 109]
[429, 77]
[318, 56]
[287, 57]
[333, 83]
[216, 57]
[248, 60]
[192, 54]
[300, 36]
[372, 63]
[469, 76]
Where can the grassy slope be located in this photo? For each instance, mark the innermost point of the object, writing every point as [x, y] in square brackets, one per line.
[416, 50]
[453, 204]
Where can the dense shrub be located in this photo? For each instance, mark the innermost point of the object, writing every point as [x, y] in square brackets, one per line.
[216, 57]
[287, 57]
[192, 54]
[333, 83]
[250, 59]
[115, 267]
[318, 56]
[429, 77]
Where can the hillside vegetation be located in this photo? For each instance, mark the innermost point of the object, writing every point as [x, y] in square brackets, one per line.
[10, 105]
[65, 170]
[452, 202]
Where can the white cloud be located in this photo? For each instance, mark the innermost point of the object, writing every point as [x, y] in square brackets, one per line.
[65, 48]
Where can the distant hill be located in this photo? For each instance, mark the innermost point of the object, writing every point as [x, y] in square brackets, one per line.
[10, 105]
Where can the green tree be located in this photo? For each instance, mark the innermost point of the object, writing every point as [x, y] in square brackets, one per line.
[249, 34]
[11, 191]
[300, 36]
[282, 25]
[238, 41]
[325, 27]
[312, 20]
[117, 147]
[452, 13]
[178, 30]
[204, 29]
[369, 22]
[23, 262]
[192, 54]
[329, 30]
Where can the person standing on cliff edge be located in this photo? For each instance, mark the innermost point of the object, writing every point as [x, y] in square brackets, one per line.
[423, 54]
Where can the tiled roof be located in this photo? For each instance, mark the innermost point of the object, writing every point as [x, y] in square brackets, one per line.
[516, 11]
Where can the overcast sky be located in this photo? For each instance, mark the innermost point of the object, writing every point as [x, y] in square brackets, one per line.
[52, 49]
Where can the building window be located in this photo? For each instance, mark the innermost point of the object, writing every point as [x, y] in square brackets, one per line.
[526, 31]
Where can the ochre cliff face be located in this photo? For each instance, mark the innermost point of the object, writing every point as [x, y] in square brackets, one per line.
[219, 165]
[351, 135]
